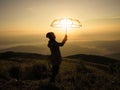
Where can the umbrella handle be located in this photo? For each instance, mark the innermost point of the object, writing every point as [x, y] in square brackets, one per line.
[66, 30]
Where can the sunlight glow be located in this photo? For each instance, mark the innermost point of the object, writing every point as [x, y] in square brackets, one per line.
[66, 23]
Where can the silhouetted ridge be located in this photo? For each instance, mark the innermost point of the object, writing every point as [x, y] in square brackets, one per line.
[114, 55]
[94, 59]
[11, 54]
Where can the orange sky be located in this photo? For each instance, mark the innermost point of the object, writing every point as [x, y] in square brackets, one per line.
[100, 18]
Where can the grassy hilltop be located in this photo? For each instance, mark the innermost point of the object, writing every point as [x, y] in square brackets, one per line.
[30, 71]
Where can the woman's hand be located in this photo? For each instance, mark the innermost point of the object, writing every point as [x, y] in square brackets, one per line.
[65, 38]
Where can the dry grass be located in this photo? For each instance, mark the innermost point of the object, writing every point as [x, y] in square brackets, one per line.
[74, 75]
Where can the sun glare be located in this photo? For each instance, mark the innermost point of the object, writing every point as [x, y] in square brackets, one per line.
[66, 23]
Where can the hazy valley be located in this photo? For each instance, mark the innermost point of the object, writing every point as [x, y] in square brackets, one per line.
[104, 48]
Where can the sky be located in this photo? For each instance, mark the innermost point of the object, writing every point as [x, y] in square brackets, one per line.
[27, 21]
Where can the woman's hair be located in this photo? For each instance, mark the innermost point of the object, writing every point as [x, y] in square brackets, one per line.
[50, 35]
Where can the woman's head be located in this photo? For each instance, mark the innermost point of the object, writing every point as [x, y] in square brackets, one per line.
[51, 35]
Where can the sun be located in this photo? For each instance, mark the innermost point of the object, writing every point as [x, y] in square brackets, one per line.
[65, 23]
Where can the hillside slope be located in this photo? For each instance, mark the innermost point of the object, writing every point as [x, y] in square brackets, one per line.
[75, 73]
[94, 59]
[114, 55]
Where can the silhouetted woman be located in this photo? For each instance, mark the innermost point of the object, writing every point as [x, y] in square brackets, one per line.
[55, 53]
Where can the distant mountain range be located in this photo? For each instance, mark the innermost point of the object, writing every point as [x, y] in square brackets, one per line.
[66, 50]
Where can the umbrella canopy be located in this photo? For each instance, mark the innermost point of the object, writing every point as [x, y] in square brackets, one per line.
[66, 23]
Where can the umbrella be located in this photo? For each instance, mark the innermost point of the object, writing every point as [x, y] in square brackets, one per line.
[66, 23]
